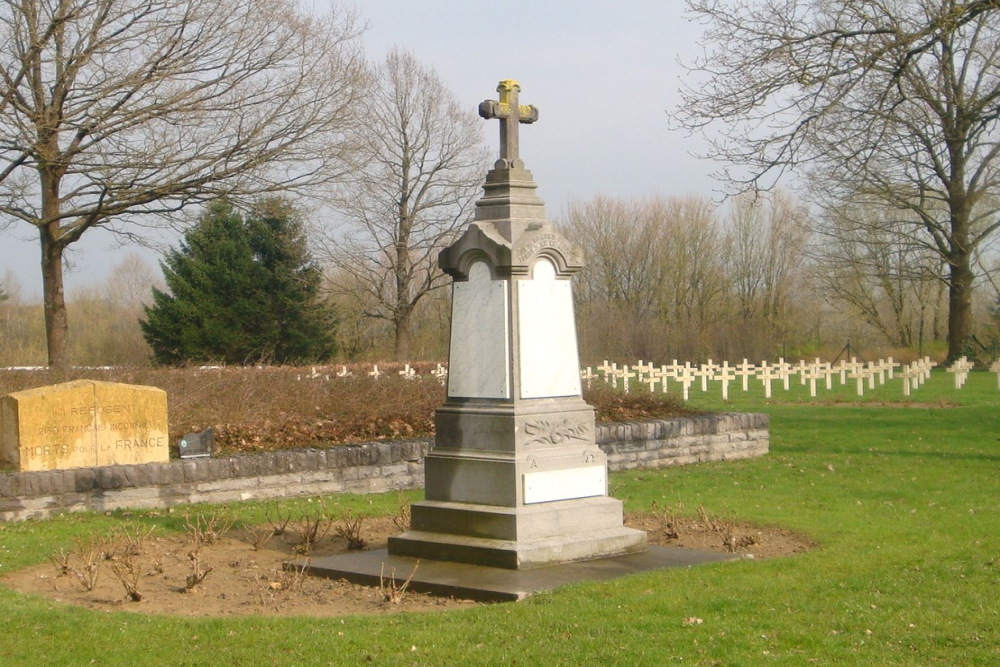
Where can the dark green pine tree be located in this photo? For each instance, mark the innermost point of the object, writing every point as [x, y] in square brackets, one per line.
[241, 290]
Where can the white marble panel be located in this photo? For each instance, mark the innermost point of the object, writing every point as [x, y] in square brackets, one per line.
[549, 364]
[551, 485]
[480, 343]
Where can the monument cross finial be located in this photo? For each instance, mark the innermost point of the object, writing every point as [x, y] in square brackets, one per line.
[510, 113]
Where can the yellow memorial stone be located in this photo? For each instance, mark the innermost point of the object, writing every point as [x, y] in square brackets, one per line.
[83, 423]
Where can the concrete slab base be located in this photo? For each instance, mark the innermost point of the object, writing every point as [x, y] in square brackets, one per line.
[494, 584]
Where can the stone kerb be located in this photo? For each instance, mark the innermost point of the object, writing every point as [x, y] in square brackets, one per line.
[362, 468]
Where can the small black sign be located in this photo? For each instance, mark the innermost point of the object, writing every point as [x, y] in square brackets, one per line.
[195, 445]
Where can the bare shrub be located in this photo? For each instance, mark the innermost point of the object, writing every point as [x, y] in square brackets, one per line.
[107, 548]
[127, 571]
[130, 538]
[311, 528]
[716, 524]
[92, 555]
[402, 517]
[733, 539]
[667, 519]
[390, 589]
[207, 529]
[197, 573]
[257, 536]
[349, 529]
[63, 562]
[279, 521]
[289, 578]
[735, 542]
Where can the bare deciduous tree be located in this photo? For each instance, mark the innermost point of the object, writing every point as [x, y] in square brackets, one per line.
[106, 316]
[619, 292]
[765, 265]
[891, 105]
[866, 265]
[418, 166]
[116, 113]
[622, 240]
[653, 282]
[20, 325]
[672, 277]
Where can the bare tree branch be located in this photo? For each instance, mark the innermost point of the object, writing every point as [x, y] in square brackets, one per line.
[419, 164]
[115, 111]
[889, 104]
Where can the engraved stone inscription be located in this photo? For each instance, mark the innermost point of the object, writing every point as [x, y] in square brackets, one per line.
[540, 242]
[84, 423]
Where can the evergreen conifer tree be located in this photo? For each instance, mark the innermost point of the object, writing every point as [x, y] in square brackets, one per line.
[242, 289]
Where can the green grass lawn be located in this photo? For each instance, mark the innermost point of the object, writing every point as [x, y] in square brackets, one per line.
[902, 499]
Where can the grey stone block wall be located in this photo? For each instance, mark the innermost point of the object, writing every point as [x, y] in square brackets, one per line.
[364, 468]
[662, 443]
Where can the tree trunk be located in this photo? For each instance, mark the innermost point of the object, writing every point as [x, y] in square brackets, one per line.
[960, 263]
[54, 298]
[959, 304]
[53, 293]
[402, 348]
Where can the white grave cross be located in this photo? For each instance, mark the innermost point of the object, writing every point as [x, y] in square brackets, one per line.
[725, 376]
[746, 370]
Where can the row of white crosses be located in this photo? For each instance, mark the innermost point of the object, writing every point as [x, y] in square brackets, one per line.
[960, 368]
[864, 374]
[440, 373]
[915, 374]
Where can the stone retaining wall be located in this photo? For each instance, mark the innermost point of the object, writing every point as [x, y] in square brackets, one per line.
[366, 468]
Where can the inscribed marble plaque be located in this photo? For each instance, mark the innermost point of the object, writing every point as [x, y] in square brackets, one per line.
[550, 485]
[479, 357]
[547, 335]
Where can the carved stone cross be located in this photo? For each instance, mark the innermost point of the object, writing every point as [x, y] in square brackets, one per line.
[510, 114]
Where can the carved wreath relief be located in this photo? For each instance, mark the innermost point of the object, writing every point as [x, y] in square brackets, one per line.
[555, 431]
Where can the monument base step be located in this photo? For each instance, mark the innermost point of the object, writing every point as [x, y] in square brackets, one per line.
[517, 524]
[519, 554]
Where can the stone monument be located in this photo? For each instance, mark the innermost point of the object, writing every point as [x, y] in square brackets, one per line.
[83, 423]
[515, 479]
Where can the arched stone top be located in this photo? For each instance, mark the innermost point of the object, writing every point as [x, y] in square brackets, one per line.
[482, 242]
[546, 243]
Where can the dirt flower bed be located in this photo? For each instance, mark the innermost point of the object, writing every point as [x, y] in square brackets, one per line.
[217, 569]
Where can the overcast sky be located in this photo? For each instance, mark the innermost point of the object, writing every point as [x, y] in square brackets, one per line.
[602, 75]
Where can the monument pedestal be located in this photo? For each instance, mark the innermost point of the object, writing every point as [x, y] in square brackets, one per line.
[516, 488]
[515, 479]
[519, 538]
